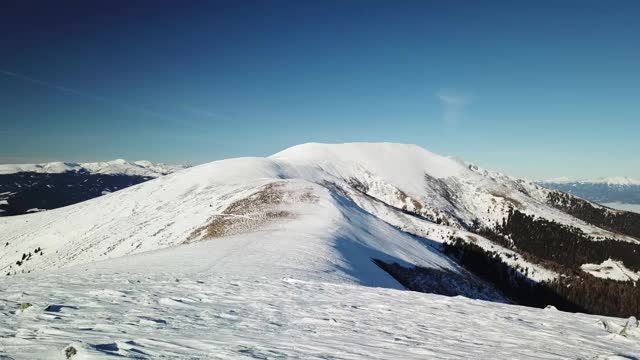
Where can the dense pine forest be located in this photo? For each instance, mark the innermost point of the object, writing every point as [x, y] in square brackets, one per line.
[623, 222]
[564, 245]
[570, 292]
[45, 191]
[562, 249]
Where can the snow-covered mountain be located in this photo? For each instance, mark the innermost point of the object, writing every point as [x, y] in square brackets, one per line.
[329, 219]
[30, 188]
[612, 190]
[386, 185]
[614, 180]
[253, 197]
[114, 167]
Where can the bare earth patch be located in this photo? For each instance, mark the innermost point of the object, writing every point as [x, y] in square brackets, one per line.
[515, 203]
[252, 213]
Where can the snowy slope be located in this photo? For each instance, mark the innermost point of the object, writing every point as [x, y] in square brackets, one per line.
[312, 191]
[610, 269]
[119, 166]
[442, 189]
[316, 233]
[186, 303]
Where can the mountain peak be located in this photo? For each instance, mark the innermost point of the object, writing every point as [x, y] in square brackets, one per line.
[403, 165]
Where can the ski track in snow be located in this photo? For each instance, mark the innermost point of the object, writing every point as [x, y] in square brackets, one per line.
[154, 315]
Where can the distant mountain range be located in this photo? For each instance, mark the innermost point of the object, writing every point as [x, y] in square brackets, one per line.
[114, 167]
[26, 188]
[622, 190]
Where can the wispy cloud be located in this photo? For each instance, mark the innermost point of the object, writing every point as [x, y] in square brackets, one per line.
[202, 112]
[454, 105]
[84, 94]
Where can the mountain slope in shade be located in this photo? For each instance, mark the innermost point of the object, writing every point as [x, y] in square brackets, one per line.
[30, 188]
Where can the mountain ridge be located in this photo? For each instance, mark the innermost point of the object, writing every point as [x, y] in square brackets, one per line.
[112, 167]
[623, 190]
[612, 180]
[352, 203]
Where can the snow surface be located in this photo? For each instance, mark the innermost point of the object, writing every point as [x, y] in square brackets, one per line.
[185, 302]
[119, 166]
[446, 187]
[442, 233]
[35, 210]
[610, 269]
[400, 164]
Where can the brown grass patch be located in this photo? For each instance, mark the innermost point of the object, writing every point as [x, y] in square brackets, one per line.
[515, 203]
[254, 212]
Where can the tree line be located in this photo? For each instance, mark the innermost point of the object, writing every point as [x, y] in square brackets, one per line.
[575, 293]
[623, 222]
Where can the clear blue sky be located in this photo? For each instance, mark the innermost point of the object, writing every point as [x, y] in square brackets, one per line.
[533, 88]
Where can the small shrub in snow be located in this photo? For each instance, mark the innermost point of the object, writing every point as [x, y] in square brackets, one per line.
[70, 351]
[629, 327]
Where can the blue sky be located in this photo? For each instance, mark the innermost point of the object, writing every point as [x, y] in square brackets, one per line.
[532, 88]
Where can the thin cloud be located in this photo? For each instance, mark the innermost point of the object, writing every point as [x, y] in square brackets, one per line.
[86, 95]
[203, 113]
[454, 105]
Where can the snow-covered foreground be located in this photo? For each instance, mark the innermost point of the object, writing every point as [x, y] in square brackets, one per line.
[180, 310]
